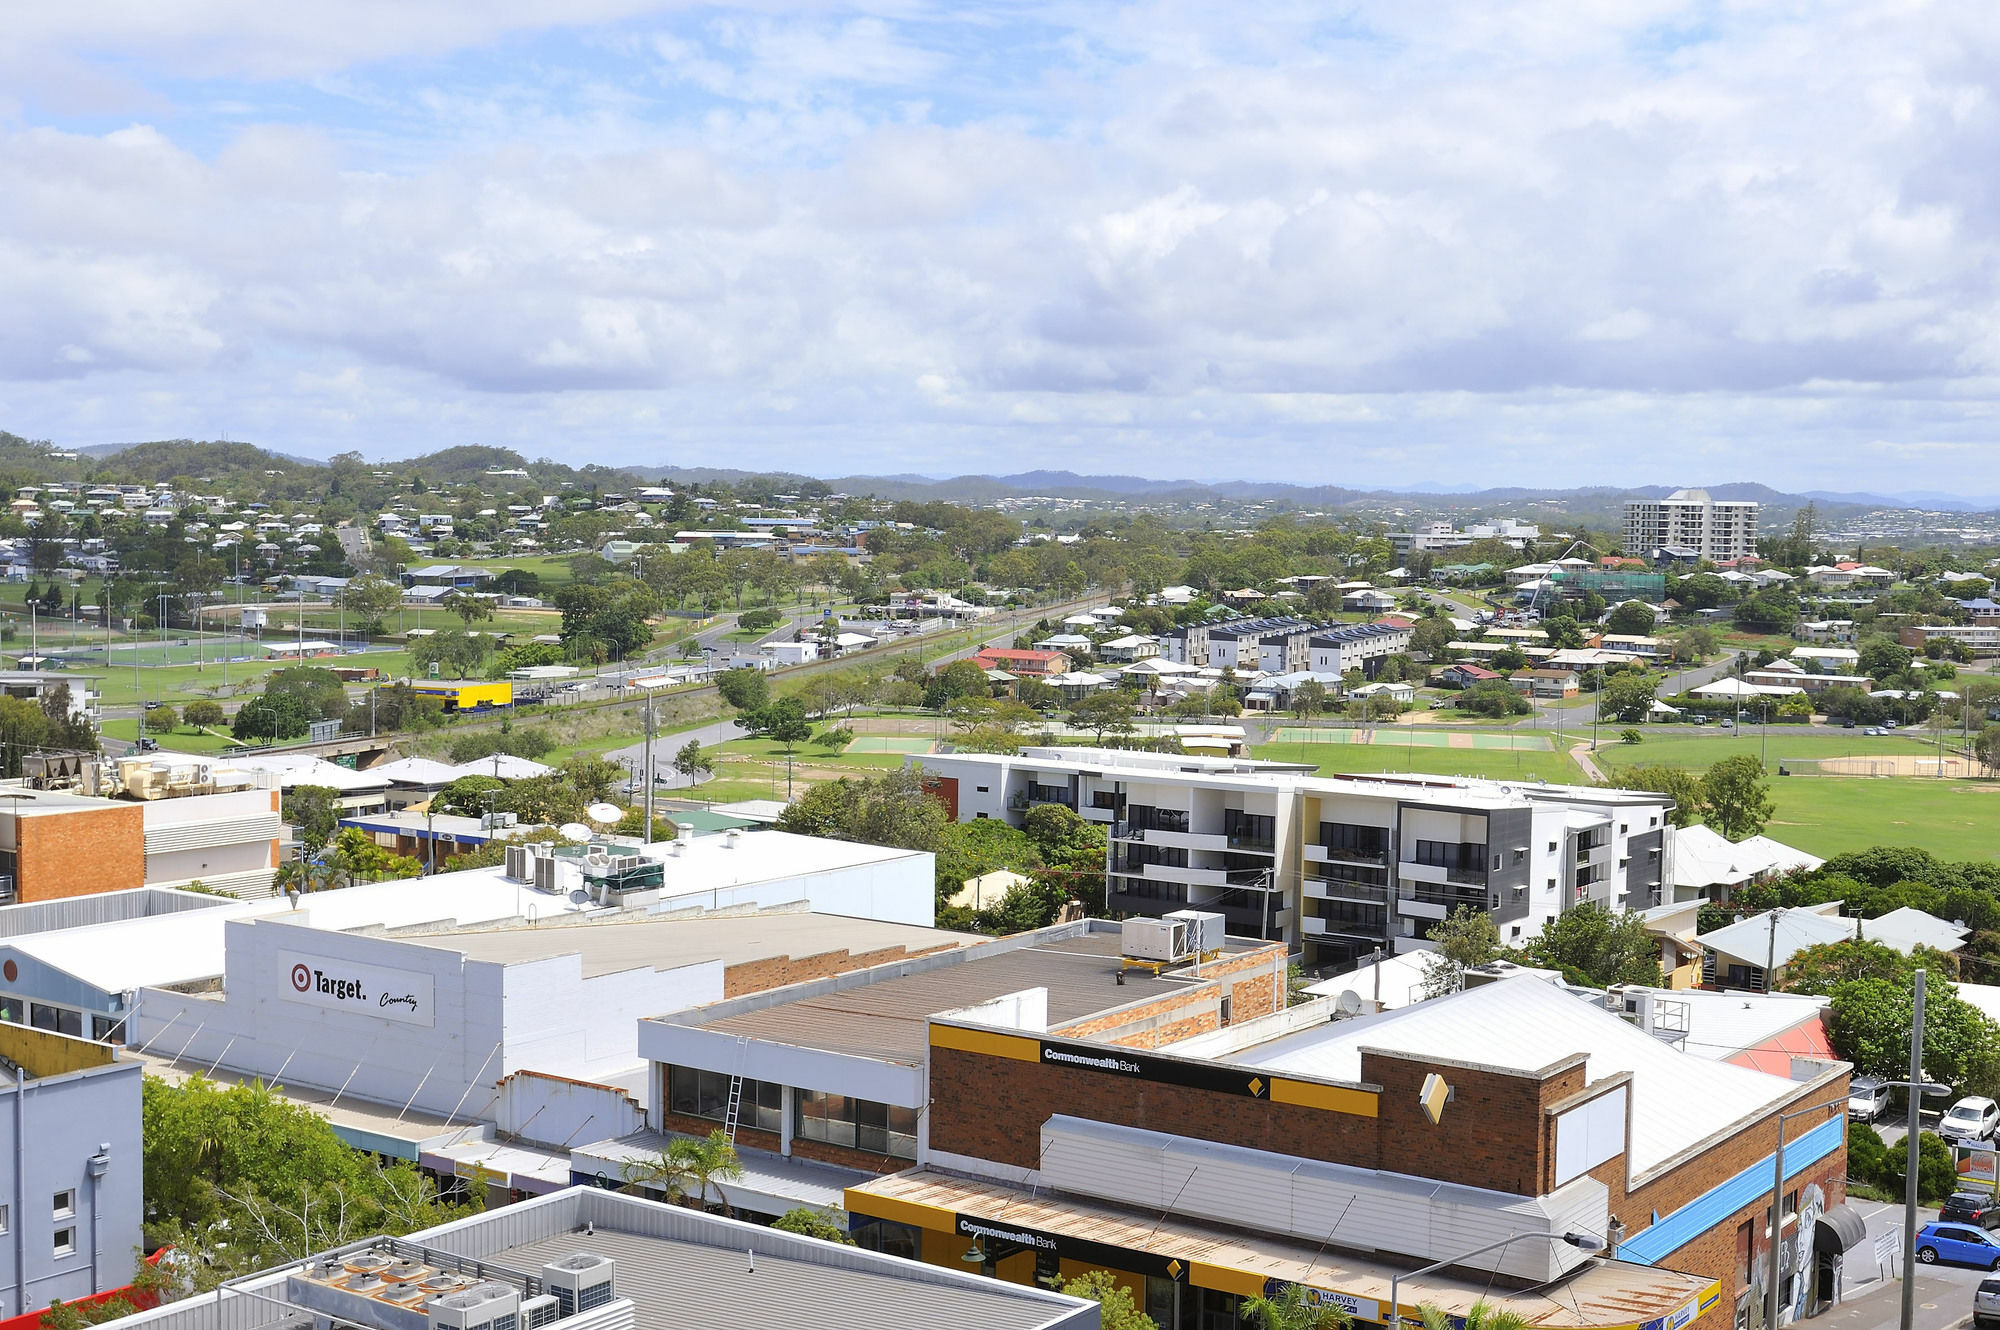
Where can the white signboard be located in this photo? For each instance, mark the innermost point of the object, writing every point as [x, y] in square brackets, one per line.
[368, 990]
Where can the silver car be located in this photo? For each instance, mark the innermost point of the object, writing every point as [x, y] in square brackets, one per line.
[1986, 1305]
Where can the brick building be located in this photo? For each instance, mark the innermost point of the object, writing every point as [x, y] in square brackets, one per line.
[1340, 1154]
[835, 1070]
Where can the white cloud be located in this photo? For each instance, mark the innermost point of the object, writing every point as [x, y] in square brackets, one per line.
[1436, 238]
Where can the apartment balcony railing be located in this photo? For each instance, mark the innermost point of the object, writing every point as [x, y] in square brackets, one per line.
[1320, 888]
[1327, 854]
[1431, 893]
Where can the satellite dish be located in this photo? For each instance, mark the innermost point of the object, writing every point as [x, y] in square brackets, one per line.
[1349, 1002]
[604, 812]
[579, 897]
[574, 831]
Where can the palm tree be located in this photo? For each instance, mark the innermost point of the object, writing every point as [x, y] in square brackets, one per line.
[1480, 1316]
[1295, 1309]
[687, 1167]
[710, 1162]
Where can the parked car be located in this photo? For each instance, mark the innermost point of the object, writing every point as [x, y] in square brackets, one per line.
[1955, 1244]
[1986, 1305]
[1970, 1207]
[1972, 1118]
[1867, 1099]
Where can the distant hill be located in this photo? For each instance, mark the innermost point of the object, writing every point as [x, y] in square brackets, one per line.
[162, 460]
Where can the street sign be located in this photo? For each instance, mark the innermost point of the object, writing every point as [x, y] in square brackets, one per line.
[1887, 1247]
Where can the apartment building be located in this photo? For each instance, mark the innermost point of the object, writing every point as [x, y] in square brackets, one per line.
[1336, 865]
[1712, 529]
[1279, 645]
[1362, 646]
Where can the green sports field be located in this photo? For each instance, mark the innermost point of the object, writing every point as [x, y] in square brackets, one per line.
[1417, 737]
[1392, 754]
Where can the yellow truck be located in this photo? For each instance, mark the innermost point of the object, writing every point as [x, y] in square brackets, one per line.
[465, 694]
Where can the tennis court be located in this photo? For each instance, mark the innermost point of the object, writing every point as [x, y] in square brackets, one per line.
[889, 743]
[1416, 738]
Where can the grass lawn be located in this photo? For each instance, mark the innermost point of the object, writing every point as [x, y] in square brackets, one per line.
[182, 740]
[1386, 755]
[1681, 749]
[1827, 815]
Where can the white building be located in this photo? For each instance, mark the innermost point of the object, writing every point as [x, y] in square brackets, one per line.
[1716, 530]
[1341, 864]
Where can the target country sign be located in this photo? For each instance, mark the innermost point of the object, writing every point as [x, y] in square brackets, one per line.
[368, 990]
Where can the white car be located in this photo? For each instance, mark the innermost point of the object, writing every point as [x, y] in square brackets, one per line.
[1986, 1305]
[1867, 1098]
[1972, 1118]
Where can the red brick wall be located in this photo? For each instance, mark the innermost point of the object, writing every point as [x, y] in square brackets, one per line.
[81, 852]
[1494, 1132]
[778, 971]
[967, 1088]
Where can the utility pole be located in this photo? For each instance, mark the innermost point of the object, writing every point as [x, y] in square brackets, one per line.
[1916, 1093]
[648, 832]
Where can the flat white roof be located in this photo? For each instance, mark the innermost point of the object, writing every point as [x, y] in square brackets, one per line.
[160, 950]
[1525, 1024]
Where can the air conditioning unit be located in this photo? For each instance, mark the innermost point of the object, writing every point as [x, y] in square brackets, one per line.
[488, 1306]
[579, 1282]
[1204, 929]
[517, 863]
[539, 1311]
[545, 873]
[1154, 939]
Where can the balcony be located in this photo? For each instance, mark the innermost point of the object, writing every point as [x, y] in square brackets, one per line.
[1412, 871]
[1326, 854]
[1327, 889]
[1193, 877]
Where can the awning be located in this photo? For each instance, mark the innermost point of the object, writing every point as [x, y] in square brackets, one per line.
[1840, 1229]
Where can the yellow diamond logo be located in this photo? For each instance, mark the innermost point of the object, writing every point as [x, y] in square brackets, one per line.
[1256, 1085]
[1174, 1269]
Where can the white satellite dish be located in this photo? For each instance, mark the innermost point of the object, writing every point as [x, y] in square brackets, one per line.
[574, 831]
[604, 812]
[1349, 1002]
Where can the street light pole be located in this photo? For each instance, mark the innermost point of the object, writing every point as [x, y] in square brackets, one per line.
[1582, 1241]
[1774, 1271]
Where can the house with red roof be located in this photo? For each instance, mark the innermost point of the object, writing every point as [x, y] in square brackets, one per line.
[1023, 664]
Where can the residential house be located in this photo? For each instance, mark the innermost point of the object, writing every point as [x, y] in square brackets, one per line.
[1128, 650]
[1023, 664]
[1464, 676]
[1546, 683]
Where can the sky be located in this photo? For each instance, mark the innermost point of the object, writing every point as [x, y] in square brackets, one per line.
[1449, 242]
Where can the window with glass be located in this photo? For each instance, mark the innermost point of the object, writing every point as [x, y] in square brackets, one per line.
[59, 1019]
[1249, 830]
[856, 1124]
[1349, 838]
[698, 1093]
[890, 1238]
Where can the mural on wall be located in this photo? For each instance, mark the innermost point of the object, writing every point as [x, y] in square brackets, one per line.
[1812, 1204]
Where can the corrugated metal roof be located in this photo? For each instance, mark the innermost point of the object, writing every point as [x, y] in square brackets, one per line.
[1525, 1024]
[683, 1284]
[887, 1019]
[1600, 1293]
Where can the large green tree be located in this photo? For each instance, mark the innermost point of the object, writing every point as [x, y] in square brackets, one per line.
[1736, 797]
[1594, 946]
[239, 1179]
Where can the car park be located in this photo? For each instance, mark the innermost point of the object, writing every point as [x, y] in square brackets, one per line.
[1867, 1099]
[1977, 1208]
[1972, 1118]
[1957, 1244]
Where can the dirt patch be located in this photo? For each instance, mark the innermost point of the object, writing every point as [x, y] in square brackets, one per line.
[1897, 764]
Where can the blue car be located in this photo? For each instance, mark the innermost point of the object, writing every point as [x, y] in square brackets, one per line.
[1958, 1244]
